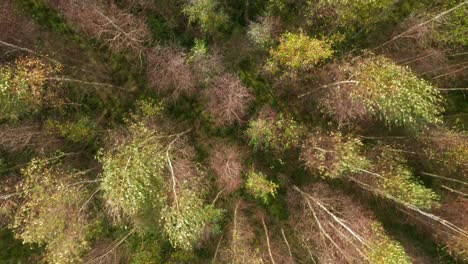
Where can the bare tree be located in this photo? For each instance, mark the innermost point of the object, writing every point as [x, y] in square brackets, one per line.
[169, 72]
[227, 100]
[27, 135]
[226, 161]
[120, 30]
[15, 27]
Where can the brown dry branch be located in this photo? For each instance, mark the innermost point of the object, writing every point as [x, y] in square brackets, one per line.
[226, 161]
[331, 223]
[27, 135]
[238, 247]
[227, 100]
[98, 251]
[120, 30]
[14, 27]
[169, 72]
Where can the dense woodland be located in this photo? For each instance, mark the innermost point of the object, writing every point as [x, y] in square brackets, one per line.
[233, 131]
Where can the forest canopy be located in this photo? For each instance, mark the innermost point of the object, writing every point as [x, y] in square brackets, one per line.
[234, 131]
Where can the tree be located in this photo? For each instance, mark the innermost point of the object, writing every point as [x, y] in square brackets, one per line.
[226, 160]
[208, 14]
[390, 93]
[151, 179]
[264, 31]
[25, 87]
[345, 19]
[333, 155]
[187, 218]
[133, 178]
[340, 229]
[298, 52]
[169, 72]
[52, 213]
[227, 100]
[399, 181]
[274, 131]
[260, 187]
[119, 29]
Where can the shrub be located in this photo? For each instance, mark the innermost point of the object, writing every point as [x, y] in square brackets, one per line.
[395, 94]
[298, 52]
[207, 14]
[333, 155]
[82, 130]
[51, 214]
[260, 187]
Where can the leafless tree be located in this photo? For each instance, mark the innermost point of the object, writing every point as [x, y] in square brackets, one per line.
[238, 246]
[27, 135]
[332, 227]
[227, 100]
[226, 161]
[119, 29]
[98, 253]
[15, 27]
[169, 72]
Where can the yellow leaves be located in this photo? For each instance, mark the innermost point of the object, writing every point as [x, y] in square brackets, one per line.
[297, 52]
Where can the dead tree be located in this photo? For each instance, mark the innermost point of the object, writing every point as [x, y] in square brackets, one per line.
[339, 229]
[120, 30]
[169, 72]
[227, 100]
[226, 161]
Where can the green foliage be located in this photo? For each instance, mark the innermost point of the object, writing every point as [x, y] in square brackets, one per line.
[260, 187]
[51, 213]
[261, 32]
[12, 251]
[208, 14]
[445, 150]
[199, 50]
[345, 18]
[395, 94]
[187, 219]
[400, 183]
[147, 250]
[386, 250]
[132, 178]
[453, 29]
[82, 130]
[22, 87]
[149, 108]
[334, 155]
[279, 133]
[298, 52]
